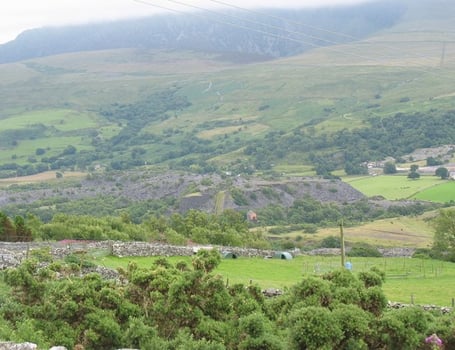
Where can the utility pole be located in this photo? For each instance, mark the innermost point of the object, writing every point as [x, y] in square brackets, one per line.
[342, 244]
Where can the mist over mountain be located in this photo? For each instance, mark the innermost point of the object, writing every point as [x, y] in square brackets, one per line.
[231, 31]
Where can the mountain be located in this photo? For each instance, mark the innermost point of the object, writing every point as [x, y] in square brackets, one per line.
[259, 33]
[329, 110]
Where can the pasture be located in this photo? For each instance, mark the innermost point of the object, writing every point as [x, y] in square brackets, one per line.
[423, 281]
[398, 186]
[61, 119]
[439, 193]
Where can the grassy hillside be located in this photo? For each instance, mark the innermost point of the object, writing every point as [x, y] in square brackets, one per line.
[391, 232]
[217, 104]
[238, 102]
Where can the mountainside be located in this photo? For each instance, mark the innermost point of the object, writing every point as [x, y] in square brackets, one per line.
[328, 111]
[219, 31]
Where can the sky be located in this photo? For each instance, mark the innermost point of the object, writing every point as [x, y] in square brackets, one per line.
[19, 15]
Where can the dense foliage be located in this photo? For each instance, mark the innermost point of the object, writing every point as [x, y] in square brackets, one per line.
[230, 228]
[383, 137]
[122, 151]
[14, 231]
[137, 143]
[444, 238]
[309, 211]
[185, 306]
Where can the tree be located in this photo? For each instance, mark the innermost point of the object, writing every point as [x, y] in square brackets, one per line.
[7, 229]
[70, 149]
[413, 174]
[23, 233]
[390, 168]
[40, 151]
[431, 161]
[444, 237]
[442, 172]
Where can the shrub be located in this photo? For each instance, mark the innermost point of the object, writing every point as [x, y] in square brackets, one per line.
[238, 197]
[364, 250]
[370, 279]
[314, 328]
[331, 242]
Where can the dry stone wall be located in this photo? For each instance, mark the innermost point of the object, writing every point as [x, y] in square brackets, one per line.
[122, 249]
[11, 254]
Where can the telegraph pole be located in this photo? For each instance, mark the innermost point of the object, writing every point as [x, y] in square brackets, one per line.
[342, 244]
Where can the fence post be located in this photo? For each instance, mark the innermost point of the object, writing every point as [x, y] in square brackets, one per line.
[412, 299]
[453, 302]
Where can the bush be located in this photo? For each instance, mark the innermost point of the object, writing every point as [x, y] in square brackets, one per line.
[364, 250]
[425, 253]
[238, 197]
[370, 279]
[331, 242]
[314, 328]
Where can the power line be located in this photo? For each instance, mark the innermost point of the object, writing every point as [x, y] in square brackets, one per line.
[256, 22]
[336, 33]
[230, 23]
[270, 34]
[283, 19]
[277, 36]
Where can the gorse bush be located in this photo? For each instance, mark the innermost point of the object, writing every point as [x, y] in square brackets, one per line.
[186, 306]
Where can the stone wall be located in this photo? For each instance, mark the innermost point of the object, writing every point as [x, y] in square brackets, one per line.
[122, 249]
[11, 254]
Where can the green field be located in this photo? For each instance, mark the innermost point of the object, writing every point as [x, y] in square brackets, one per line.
[63, 120]
[400, 187]
[423, 281]
[439, 193]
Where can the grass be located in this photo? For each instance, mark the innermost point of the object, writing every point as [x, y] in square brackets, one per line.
[54, 145]
[395, 186]
[425, 281]
[49, 176]
[443, 193]
[294, 169]
[405, 231]
[219, 202]
[396, 232]
[62, 119]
